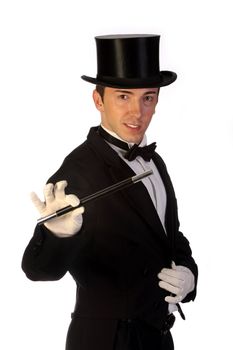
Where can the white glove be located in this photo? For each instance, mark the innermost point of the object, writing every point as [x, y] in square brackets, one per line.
[55, 198]
[178, 280]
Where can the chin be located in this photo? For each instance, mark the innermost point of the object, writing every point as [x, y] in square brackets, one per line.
[135, 139]
[130, 138]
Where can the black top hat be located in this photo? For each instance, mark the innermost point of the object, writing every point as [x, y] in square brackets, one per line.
[129, 61]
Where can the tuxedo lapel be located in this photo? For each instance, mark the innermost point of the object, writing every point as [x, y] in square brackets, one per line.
[171, 218]
[136, 195]
[140, 201]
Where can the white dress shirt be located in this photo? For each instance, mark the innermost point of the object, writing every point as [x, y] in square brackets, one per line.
[153, 183]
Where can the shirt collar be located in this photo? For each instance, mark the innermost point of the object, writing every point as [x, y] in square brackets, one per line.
[130, 144]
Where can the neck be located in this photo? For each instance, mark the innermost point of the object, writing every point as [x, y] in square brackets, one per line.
[130, 144]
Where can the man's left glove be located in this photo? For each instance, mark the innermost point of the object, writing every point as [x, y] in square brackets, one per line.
[179, 280]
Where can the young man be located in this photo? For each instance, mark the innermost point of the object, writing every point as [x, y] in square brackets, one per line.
[131, 264]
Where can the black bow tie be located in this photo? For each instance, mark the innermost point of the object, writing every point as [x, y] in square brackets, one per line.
[145, 152]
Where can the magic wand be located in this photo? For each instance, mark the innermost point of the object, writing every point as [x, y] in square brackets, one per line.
[108, 190]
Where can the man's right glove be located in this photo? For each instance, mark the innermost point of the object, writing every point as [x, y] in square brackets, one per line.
[55, 199]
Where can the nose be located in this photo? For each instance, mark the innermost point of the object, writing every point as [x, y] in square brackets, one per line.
[135, 109]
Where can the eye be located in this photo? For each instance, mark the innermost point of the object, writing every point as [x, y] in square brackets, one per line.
[123, 97]
[148, 98]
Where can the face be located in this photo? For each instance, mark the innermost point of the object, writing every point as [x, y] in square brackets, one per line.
[127, 112]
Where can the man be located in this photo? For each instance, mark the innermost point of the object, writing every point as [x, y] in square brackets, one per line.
[131, 264]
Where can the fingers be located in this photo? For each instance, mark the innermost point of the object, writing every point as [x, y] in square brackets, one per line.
[172, 280]
[176, 273]
[77, 217]
[55, 199]
[173, 299]
[170, 288]
[49, 193]
[173, 277]
[178, 280]
[40, 206]
[173, 265]
[78, 211]
[182, 269]
[72, 200]
[59, 189]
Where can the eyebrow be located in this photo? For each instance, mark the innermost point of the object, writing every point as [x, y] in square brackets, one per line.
[124, 91]
[150, 92]
[131, 93]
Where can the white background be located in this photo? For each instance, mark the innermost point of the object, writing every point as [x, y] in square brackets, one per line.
[46, 111]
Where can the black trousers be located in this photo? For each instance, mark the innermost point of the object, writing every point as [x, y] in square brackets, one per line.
[137, 335]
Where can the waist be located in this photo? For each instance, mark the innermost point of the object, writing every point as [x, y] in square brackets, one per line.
[121, 305]
[132, 324]
[137, 323]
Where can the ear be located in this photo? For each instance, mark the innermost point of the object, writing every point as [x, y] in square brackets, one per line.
[98, 101]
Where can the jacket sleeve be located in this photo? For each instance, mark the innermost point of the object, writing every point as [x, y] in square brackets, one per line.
[183, 256]
[47, 257]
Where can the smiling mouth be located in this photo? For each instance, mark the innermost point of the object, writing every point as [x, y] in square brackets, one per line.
[132, 126]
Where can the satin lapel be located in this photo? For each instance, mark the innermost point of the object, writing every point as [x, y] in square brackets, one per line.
[136, 194]
[140, 201]
[171, 218]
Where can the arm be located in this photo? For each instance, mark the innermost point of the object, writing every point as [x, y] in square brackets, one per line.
[47, 257]
[183, 257]
[181, 279]
[50, 251]
[180, 248]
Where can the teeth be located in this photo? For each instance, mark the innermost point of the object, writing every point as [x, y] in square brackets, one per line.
[132, 126]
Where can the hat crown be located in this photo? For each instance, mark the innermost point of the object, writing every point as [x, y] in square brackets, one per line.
[129, 61]
[128, 56]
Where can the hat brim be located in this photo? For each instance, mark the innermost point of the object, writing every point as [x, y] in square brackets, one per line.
[163, 79]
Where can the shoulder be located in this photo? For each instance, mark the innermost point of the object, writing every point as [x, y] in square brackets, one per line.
[159, 160]
[75, 163]
[80, 165]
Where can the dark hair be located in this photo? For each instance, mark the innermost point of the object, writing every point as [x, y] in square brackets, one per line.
[100, 90]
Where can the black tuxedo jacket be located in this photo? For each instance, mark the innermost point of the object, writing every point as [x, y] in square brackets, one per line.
[116, 256]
